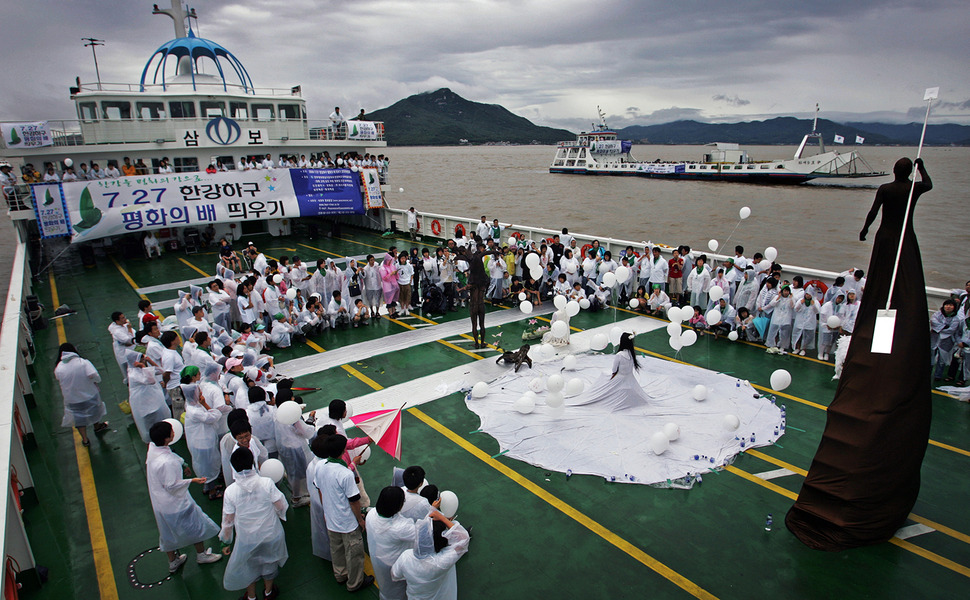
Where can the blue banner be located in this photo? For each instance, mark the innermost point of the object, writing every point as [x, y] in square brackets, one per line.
[327, 192]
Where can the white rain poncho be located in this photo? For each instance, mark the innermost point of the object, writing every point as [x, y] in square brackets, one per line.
[228, 445]
[122, 338]
[430, 575]
[79, 386]
[202, 434]
[262, 418]
[294, 453]
[253, 507]
[319, 537]
[214, 396]
[387, 539]
[180, 520]
[145, 396]
[183, 309]
[805, 324]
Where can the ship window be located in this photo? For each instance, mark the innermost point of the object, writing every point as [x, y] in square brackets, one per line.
[581, 163]
[183, 109]
[115, 111]
[185, 164]
[737, 167]
[263, 112]
[290, 112]
[780, 167]
[89, 111]
[703, 167]
[238, 110]
[227, 161]
[150, 111]
[765, 166]
[751, 166]
[210, 108]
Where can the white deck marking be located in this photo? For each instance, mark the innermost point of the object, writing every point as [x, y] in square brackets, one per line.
[774, 474]
[913, 530]
[175, 285]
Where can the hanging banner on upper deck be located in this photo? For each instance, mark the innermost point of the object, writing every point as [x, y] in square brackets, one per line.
[26, 135]
[107, 207]
[51, 210]
[361, 130]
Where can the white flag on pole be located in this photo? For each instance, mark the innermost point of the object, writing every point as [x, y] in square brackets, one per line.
[931, 93]
[839, 139]
[859, 139]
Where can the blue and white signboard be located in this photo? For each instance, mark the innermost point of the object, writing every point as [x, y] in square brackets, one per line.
[51, 210]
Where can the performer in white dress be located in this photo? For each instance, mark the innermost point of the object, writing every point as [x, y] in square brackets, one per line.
[621, 389]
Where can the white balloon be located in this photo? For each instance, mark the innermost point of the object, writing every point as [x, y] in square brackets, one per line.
[780, 379]
[583, 303]
[744, 213]
[526, 307]
[659, 443]
[480, 390]
[675, 314]
[569, 362]
[532, 260]
[555, 383]
[731, 422]
[400, 190]
[68, 162]
[291, 294]
[547, 350]
[712, 245]
[634, 303]
[615, 334]
[522, 296]
[716, 293]
[177, 429]
[604, 267]
[273, 469]
[560, 301]
[288, 413]
[834, 322]
[675, 343]
[536, 272]
[673, 329]
[672, 431]
[771, 254]
[512, 241]
[713, 316]
[574, 387]
[554, 399]
[531, 394]
[700, 392]
[733, 336]
[572, 308]
[449, 504]
[609, 280]
[525, 404]
[599, 341]
[537, 385]
[349, 410]
[622, 274]
[688, 338]
[277, 279]
[559, 329]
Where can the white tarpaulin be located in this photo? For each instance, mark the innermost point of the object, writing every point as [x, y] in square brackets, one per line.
[26, 135]
[591, 439]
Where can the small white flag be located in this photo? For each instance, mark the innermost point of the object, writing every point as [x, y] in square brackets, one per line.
[931, 93]
[859, 139]
[839, 139]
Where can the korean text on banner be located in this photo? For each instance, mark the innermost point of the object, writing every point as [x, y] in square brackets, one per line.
[51, 210]
[361, 130]
[372, 188]
[144, 202]
[26, 135]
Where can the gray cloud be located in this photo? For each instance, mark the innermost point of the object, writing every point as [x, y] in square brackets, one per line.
[730, 100]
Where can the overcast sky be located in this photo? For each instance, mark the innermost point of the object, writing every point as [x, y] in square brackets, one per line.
[552, 61]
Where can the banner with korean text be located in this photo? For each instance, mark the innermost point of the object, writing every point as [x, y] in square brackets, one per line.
[361, 130]
[50, 209]
[109, 207]
[26, 135]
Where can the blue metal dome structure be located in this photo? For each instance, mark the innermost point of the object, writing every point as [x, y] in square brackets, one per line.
[194, 48]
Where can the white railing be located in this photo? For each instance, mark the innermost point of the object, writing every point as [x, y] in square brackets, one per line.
[186, 87]
[14, 419]
[447, 224]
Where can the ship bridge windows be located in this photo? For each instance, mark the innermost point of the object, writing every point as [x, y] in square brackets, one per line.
[150, 111]
[291, 112]
[263, 112]
[239, 110]
[88, 111]
[186, 164]
[212, 108]
[182, 109]
[114, 110]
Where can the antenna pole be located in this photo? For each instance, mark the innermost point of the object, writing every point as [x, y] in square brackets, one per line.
[94, 43]
[815, 121]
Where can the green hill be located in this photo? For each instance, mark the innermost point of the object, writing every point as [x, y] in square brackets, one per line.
[442, 118]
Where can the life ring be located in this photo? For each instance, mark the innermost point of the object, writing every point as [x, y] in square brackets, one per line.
[435, 227]
[820, 285]
[460, 227]
[585, 250]
[418, 228]
[517, 235]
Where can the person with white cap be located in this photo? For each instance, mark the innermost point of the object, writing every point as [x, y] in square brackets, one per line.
[234, 383]
[180, 520]
[429, 568]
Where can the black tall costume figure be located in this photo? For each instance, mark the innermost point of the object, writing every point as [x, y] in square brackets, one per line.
[477, 285]
[865, 477]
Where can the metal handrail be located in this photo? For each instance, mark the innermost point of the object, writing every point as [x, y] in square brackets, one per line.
[173, 88]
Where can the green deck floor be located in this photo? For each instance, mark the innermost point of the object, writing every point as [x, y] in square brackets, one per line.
[534, 530]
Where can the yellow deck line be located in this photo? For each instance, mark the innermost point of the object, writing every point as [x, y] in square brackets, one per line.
[950, 448]
[373, 384]
[932, 556]
[777, 462]
[762, 482]
[194, 268]
[581, 518]
[442, 342]
[131, 282]
[89, 493]
[320, 250]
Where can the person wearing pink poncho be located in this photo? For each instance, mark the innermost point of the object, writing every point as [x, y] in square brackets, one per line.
[388, 272]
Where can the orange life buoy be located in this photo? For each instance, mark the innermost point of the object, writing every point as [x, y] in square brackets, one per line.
[517, 235]
[586, 250]
[460, 227]
[435, 227]
[820, 285]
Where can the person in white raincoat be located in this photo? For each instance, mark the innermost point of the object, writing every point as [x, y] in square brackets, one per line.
[180, 520]
[122, 339]
[145, 395]
[240, 436]
[221, 303]
[82, 399]
[319, 538]
[294, 451]
[429, 569]
[262, 418]
[201, 432]
[389, 534]
[806, 321]
[252, 508]
[778, 337]
[827, 335]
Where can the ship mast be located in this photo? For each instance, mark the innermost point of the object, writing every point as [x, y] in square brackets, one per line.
[179, 17]
[814, 134]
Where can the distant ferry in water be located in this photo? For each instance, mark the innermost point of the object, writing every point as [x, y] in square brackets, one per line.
[599, 152]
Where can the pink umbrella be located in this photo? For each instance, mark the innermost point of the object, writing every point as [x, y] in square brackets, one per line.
[384, 427]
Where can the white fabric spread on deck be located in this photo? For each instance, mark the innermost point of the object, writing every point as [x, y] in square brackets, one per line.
[175, 285]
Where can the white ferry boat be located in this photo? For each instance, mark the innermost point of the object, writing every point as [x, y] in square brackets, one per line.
[600, 152]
